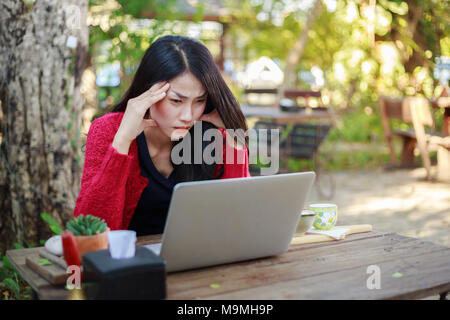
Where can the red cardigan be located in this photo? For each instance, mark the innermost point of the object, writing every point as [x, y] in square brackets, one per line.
[111, 185]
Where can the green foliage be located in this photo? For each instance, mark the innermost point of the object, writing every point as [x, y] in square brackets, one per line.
[12, 286]
[18, 246]
[360, 58]
[357, 142]
[260, 164]
[345, 156]
[358, 126]
[55, 227]
[44, 262]
[122, 31]
[86, 225]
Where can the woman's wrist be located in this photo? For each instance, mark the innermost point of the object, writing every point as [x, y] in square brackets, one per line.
[121, 145]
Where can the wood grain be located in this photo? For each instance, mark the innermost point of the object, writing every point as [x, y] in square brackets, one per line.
[154, 238]
[423, 275]
[53, 273]
[323, 270]
[294, 265]
[55, 259]
[17, 258]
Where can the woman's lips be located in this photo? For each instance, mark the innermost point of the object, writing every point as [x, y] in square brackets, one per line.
[182, 128]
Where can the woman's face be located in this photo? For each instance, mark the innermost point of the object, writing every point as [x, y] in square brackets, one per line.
[183, 105]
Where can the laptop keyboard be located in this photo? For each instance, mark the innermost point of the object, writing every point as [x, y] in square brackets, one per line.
[155, 247]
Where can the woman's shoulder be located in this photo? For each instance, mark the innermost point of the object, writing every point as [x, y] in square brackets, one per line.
[108, 122]
[108, 119]
[105, 127]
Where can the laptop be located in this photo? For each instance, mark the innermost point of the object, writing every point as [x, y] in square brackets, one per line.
[223, 221]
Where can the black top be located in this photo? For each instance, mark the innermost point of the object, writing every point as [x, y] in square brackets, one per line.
[151, 212]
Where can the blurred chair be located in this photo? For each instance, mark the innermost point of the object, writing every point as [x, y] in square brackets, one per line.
[443, 159]
[303, 142]
[300, 141]
[393, 108]
[415, 111]
[268, 125]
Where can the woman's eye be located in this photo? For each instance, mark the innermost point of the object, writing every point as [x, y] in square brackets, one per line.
[176, 101]
[201, 101]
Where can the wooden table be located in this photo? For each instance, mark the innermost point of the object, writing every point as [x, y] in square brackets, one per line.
[281, 117]
[326, 270]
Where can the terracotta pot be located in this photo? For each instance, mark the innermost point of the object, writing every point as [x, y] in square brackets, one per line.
[92, 243]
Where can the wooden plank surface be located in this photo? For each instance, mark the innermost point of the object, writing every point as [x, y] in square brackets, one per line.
[350, 238]
[422, 276]
[53, 272]
[46, 290]
[249, 278]
[303, 266]
[154, 238]
[17, 258]
[53, 258]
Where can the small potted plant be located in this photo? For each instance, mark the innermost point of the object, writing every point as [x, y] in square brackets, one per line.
[91, 233]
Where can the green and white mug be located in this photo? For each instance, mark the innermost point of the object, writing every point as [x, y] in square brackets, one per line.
[326, 215]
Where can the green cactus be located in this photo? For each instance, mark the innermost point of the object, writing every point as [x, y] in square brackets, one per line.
[86, 225]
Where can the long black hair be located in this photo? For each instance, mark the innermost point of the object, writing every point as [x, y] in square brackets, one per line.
[170, 56]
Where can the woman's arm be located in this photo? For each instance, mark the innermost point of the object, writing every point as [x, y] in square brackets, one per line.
[104, 177]
[107, 163]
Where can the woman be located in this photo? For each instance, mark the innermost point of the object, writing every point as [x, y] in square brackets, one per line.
[129, 172]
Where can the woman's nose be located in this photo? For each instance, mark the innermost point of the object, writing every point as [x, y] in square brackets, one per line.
[186, 114]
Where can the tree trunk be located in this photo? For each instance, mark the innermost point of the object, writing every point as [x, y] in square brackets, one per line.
[296, 52]
[40, 77]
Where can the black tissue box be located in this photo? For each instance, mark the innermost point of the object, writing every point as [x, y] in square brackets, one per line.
[140, 277]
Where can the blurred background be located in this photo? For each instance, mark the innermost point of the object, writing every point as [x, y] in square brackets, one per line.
[354, 51]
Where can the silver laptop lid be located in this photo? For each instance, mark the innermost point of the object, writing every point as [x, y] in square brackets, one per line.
[221, 221]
